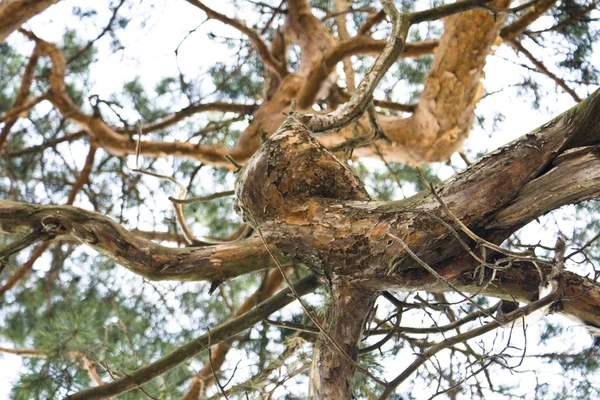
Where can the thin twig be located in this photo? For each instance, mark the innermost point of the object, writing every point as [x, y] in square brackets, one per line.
[202, 199]
[557, 288]
[437, 275]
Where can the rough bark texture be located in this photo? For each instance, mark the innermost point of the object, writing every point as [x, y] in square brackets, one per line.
[142, 256]
[332, 372]
[309, 208]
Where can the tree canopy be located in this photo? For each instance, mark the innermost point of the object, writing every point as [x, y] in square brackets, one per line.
[300, 199]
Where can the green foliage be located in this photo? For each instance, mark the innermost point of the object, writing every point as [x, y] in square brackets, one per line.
[238, 83]
[135, 92]
[577, 37]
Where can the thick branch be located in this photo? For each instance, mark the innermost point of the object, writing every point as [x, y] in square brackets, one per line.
[212, 263]
[82, 179]
[574, 178]
[13, 13]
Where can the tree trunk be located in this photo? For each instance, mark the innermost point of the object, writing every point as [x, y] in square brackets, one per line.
[332, 372]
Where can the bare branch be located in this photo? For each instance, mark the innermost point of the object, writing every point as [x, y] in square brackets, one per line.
[245, 109]
[555, 294]
[263, 51]
[542, 68]
[189, 350]
[355, 107]
[105, 136]
[202, 199]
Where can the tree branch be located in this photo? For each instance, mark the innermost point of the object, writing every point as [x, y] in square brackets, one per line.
[263, 51]
[22, 94]
[355, 107]
[105, 136]
[516, 28]
[222, 332]
[218, 354]
[542, 68]
[14, 13]
[155, 262]
[554, 295]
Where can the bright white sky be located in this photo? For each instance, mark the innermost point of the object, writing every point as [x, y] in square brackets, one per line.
[150, 55]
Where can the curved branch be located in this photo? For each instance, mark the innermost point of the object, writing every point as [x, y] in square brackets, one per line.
[105, 136]
[189, 350]
[141, 256]
[243, 109]
[357, 45]
[355, 107]
[516, 28]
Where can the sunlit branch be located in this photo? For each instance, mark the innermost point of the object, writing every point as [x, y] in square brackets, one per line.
[14, 13]
[104, 135]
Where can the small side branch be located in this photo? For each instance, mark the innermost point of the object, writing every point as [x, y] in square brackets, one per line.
[261, 47]
[542, 68]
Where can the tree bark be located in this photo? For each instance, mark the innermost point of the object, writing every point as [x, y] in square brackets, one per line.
[332, 371]
[14, 13]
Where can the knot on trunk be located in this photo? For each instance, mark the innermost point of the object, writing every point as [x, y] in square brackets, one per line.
[287, 170]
